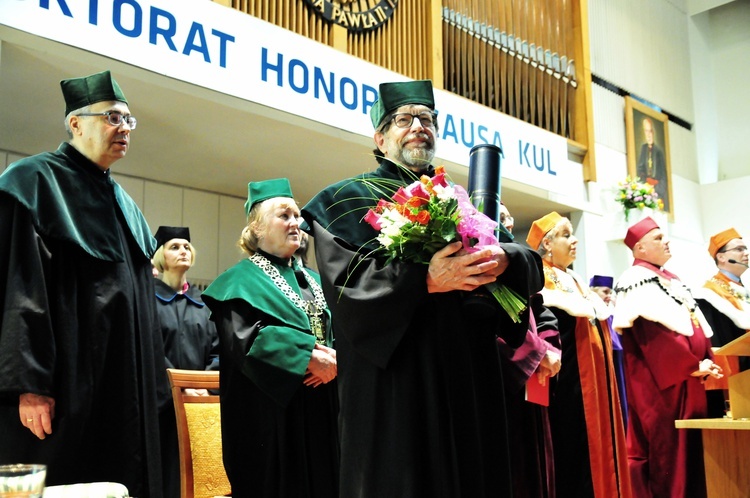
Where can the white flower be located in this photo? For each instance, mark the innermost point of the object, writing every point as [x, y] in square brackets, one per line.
[385, 240]
[444, 193]
[392, 221]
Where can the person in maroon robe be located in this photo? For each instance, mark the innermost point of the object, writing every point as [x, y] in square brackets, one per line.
[667, 358]
[533, 469]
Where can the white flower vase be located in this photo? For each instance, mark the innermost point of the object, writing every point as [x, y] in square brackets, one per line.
[633, 216]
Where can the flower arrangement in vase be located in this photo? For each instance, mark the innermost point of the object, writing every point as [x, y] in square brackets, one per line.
[633, 194]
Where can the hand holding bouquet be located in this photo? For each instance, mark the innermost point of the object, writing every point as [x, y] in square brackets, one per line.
[429, 214]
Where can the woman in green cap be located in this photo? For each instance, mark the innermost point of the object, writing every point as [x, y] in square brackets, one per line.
[278, 368]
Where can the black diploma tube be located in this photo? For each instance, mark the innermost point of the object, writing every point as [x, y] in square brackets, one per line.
[484, 192]
[484, 184]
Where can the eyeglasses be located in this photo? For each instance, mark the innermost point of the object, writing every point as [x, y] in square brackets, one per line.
[506, 220]
[738, 249]
[114, 118]
[406, 119]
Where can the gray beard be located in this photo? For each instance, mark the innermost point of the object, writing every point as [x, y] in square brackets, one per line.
[416, 158]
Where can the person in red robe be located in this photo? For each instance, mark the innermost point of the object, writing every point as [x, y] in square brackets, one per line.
[667, 358]
[588, 436]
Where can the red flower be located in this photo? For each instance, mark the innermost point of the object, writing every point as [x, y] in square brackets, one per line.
[416, 201]
[423, 217]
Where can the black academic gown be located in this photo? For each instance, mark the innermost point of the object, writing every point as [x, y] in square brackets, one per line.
[79, 327]
[725, 331]
[190, 338]
[420, 384]
[279, 437]
[530, 435]
[190, 343]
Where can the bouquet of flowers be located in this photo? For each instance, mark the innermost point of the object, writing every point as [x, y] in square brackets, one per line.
[429, 214]
[635, 195]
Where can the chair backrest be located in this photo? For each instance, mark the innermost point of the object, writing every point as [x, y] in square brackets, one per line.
[199, 433]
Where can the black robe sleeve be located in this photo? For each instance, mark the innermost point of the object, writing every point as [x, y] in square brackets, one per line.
[375, 304]
[725, 331]
[27, 341]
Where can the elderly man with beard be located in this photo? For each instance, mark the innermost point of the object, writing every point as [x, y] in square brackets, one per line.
[419, 378]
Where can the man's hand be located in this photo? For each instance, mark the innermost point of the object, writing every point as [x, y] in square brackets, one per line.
[36, 413]
[549, 366]
[451, 270]
[706, 369]
[322, 367]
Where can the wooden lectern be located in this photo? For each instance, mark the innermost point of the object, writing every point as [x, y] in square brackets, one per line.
[739, 383]
[726, 441]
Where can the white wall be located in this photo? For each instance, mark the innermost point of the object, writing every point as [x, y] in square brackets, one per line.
[215, 220]
[701, 66]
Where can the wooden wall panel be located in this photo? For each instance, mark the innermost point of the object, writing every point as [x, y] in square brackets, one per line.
[525, 58]
[516, 57]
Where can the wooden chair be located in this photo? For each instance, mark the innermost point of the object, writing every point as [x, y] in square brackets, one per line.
[202, 472]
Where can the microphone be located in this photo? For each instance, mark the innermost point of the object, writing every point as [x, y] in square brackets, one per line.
[735, 262]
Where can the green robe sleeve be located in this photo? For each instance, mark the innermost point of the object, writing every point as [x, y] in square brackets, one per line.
[278, 359]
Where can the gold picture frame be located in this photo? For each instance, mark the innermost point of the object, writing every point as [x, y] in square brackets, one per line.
[647, 140]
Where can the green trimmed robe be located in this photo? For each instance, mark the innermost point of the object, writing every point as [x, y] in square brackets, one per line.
[420, 385]
[279, 436]
[78, 323]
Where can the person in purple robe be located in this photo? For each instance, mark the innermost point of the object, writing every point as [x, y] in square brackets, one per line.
[602, 285]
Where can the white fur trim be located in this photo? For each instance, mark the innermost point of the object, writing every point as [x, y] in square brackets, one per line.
[588, 305]
[741, 318]
[649, 301]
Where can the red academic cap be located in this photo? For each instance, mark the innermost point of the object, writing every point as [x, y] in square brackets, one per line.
[637, 231]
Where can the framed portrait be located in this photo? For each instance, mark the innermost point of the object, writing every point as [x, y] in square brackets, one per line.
[647, 138]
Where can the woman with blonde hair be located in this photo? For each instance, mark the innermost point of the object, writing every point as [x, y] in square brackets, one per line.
[584, 406]
[279, 403]
[190, 338]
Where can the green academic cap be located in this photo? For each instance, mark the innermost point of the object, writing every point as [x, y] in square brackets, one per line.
[165, 234]
[267, 189]
[99, 87]
[394, 95]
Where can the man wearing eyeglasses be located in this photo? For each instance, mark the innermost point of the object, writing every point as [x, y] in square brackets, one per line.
[725, 301]
[79, 352]
[421, 410]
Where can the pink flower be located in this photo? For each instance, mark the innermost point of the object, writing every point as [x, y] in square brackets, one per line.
[382, 205]
[373, 219]
[476, 229]
[417, 189]
[401, 196]
[440, 180]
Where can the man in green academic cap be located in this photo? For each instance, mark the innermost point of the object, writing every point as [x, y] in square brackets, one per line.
[81, 357]
[419, 378]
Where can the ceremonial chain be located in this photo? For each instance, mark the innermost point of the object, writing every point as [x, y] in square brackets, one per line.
[687, 300]
[728, 288]
[313, 309]
[550, 273]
